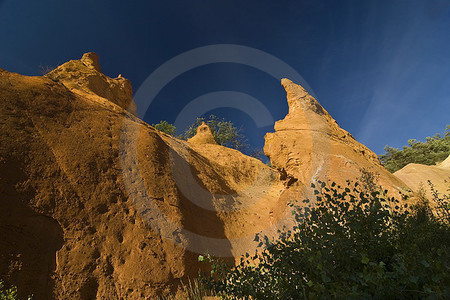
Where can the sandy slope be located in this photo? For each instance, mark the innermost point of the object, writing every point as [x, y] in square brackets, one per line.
[417, 175]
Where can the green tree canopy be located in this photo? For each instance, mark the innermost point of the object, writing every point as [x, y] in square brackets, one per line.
[435, 149]
[165, 127]
[224, 131]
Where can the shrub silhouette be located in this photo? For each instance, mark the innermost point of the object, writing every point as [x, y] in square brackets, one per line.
[352, 243]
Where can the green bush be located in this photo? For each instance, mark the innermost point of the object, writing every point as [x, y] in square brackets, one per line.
[435, 149]
[192, 290]
[7, 293]
[165, 127]
[352, 243]
[224, 132]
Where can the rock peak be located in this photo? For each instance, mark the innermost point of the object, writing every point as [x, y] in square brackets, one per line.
[91, 59]
[291, 87]
[308, 144]
[204, 135]
[85, 75]
[299, 98]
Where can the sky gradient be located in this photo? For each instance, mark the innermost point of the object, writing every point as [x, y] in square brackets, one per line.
[381, 68]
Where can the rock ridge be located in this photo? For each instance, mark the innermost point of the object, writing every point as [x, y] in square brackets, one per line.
[97, 204]
[85, 76]
[308, 144]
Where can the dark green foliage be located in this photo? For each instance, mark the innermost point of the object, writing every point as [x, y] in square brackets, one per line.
[165, 127]
[441, 206]
[435, 149]
[369, 181]
[192, 290]
[352, 244]
[7, 293]
[224, 132]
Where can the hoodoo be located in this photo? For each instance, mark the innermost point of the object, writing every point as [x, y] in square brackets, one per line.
[308, 144]
[203, 136]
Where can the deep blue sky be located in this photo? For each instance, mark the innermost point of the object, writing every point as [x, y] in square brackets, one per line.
[381, 68]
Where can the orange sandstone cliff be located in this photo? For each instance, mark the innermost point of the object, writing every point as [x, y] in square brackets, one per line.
[309, 145]
[95, 203]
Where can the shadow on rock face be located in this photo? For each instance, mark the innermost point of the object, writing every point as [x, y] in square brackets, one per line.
[29, 242]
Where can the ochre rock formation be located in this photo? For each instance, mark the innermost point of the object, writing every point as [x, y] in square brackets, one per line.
[95, 203]
[98, 204]
[417, 176]
[85, 77]
[203, 136]
[309, 145]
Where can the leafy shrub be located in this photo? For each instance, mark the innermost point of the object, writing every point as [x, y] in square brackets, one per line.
[441, 210]
[224, 132]
[192, 290]
[165, 127]
[353, 243]
[435, 149]
[7, 293]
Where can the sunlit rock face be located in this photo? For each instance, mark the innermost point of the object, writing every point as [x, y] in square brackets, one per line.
[85, 76]
[308, 144]
[97, 204]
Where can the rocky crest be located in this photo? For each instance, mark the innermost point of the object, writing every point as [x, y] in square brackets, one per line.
[85, 77]
[98, 204]
[308, 144]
